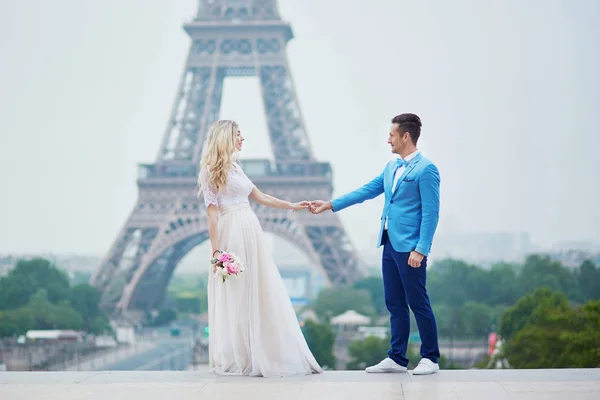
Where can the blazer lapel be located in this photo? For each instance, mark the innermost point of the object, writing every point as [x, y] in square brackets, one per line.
[390, 171]
[407, 170]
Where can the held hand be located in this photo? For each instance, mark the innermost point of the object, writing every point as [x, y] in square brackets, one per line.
[300, 206]
[415, 259]
[215, 254]
[318, 206]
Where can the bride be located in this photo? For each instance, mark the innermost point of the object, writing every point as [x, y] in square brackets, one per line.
[253, 327]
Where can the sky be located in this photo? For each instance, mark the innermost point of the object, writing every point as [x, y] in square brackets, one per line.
[508, 92]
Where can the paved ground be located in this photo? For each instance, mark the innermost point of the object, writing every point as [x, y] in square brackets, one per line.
[572, 384]
[166, 354]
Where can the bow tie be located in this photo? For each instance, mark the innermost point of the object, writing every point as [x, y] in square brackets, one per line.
[401, 163]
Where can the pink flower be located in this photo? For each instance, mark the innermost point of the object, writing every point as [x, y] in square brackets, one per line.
[224, 257]
[232, 268]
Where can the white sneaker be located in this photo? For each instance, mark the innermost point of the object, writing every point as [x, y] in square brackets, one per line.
[426, 367]
[386, 366]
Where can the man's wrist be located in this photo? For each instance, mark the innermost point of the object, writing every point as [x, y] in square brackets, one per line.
[330, 205]
[420, 251]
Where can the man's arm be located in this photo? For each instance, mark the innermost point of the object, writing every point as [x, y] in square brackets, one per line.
[366, 192]
[429, 187]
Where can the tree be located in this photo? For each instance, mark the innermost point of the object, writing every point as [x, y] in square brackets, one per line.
[13, 323]
[445, 319]
[27, 278]
[85, 299]
[366, 352]
[476, 319]
[191, 301]
[336, 300]
[504, 286]
[526, 311]
[374, 285]
[454, 282]
[558, 337]
[37, 295]
[39, 313]
[541, 271]
[588, 280]
[320, 339]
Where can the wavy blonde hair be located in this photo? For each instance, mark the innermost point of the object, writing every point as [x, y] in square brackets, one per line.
[218, 152]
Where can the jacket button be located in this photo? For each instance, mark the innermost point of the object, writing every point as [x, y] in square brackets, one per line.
[391, 201]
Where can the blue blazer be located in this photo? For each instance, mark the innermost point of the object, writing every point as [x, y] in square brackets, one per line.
[412, 210]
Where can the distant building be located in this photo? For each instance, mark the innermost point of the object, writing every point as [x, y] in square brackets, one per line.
[574, 258]
[482, 248]
[302, 283]
[7, 262]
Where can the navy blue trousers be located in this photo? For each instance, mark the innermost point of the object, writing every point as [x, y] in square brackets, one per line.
[404, 286]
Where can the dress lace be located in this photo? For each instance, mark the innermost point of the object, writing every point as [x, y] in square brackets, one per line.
[236, 190]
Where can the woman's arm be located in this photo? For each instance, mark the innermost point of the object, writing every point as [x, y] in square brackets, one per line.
[213, 227]
[273, 202]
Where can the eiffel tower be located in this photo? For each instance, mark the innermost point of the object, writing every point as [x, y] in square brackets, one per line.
[228, 38]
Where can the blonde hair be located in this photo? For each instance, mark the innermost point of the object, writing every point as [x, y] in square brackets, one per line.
[218, 152]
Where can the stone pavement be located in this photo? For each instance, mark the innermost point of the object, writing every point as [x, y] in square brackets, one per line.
[569, 384]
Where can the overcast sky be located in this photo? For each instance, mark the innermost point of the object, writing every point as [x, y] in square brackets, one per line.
[508, 91]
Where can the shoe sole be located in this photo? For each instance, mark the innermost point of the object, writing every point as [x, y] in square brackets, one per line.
[425, 373]
[387, 371]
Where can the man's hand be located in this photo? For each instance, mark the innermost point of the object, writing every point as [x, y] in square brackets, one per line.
[318, 206]
[415, 259]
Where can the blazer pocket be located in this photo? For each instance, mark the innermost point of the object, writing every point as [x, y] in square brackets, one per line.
[407, 221]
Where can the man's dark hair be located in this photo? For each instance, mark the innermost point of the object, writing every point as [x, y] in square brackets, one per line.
[410, 123]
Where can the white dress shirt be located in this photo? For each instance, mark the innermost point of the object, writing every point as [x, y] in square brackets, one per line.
[399, 173]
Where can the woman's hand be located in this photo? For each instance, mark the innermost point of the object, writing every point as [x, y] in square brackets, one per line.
[215, 254]
[300, 206]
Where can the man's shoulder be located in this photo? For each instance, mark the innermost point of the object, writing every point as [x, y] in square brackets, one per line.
[426, 166]
[425, 162]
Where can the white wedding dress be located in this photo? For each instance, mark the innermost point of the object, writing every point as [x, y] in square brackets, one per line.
[253, 329]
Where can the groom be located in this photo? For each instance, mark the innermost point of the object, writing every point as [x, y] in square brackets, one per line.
[410, 216]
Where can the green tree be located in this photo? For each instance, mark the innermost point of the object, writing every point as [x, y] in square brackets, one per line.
[14, 323]
[85, 299]
[453, 282]
[504, 286]
[366, 352]
[37, 295]
[336, 300]
[191, 301]
[39, 313]
[541, 271]
[320, 339]
[524, 312]
[80, 277]
[53, 316]
[558, 337]
[588, 280]
[27, 278]
[476, 319]
[443, 319]
[374, 285]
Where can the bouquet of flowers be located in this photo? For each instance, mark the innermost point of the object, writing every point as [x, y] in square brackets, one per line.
[226, 265]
